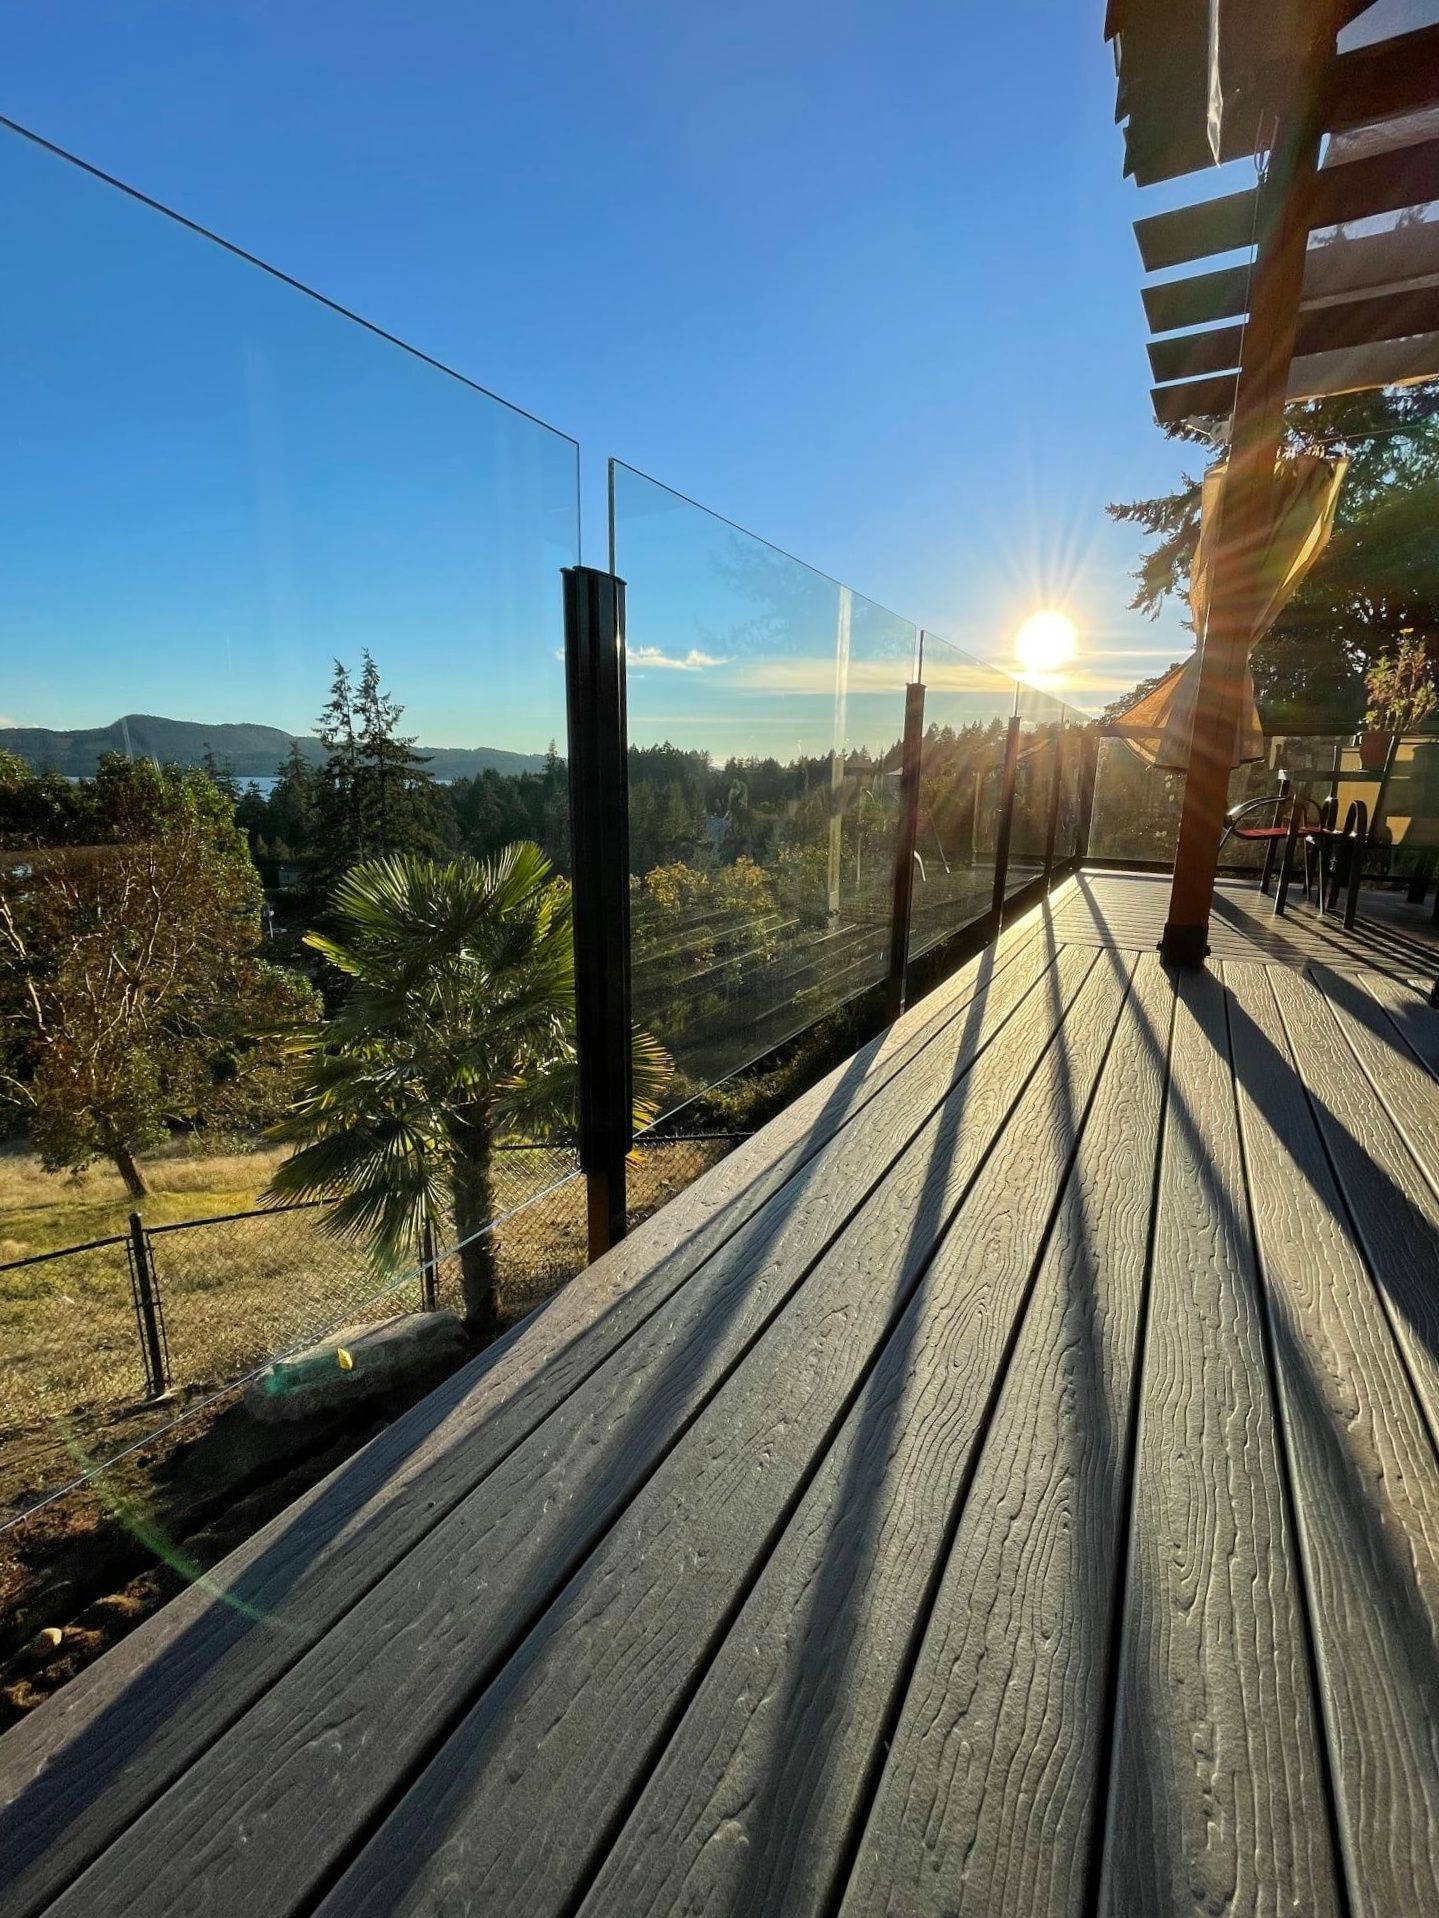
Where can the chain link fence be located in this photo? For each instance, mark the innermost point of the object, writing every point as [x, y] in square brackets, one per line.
[93, 1336]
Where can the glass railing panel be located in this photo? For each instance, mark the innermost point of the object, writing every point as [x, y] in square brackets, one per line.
[1041, 725]
[1137, 806]
[967, 708]
[218, 492]
[766, 712]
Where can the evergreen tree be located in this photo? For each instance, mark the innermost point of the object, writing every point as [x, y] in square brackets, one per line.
[395, 791]
[339, 809]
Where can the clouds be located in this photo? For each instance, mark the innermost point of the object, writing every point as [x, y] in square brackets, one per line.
[644, 658]
[6, 722]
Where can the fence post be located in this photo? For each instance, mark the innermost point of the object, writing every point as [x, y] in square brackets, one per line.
[148, 1313]
[1005, 823]
[600, 877]
[1088, 776]
[1055, 792]
[429, 1276]
[903, 896]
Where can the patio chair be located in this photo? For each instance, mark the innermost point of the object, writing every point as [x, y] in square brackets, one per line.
[1294, 816]
[1341, 858]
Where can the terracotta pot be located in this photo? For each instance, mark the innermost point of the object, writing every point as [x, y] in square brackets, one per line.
[1374, 750]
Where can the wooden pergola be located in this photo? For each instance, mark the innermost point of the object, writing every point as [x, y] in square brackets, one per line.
[1342, 117]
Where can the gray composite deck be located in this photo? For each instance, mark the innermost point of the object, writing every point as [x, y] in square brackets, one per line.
[1007, 1484]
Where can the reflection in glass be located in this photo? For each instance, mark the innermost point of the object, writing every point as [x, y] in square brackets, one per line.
[766, 712]
[967, 708]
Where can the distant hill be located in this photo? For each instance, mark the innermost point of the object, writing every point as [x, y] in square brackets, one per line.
[250, 752]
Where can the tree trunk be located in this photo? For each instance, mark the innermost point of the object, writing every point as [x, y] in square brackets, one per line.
[474, 1209]
[129, 1170]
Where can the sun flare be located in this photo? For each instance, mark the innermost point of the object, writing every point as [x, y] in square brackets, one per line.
[1046, 643]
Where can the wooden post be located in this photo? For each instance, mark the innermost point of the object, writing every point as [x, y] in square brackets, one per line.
[1245, 508]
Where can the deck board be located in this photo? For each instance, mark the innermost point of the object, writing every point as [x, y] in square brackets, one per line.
[986, 1797]
[1366, 1481]
[1006, 1485]
[824, 1642]
[1217, 1790]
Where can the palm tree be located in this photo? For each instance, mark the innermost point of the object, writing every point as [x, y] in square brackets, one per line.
[458, 1027]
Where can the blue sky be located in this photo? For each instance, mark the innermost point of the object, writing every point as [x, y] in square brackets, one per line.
[859, 277]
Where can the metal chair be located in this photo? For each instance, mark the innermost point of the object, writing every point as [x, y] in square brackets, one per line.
[1288, 823]
[1341, 859]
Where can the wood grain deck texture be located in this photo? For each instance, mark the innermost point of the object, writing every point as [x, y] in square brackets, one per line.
[1007, 1485]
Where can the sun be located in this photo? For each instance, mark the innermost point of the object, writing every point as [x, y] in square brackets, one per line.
[1046, 642]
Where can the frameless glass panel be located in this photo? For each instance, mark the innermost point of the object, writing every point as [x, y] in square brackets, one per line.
[1137, 806]
[766, 713]
[1041, 725]
[276, 595]
[967, 708]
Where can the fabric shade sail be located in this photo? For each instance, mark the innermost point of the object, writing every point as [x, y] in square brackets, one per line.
[1306, 493]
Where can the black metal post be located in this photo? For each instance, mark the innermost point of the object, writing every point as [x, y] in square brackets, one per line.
[148, 1315]
[1088, 779]
[1005, 823]
[599, 840]
[903, 895]
[429, 1273]
[1055, 792]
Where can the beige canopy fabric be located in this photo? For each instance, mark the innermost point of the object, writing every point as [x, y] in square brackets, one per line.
[1306, 492]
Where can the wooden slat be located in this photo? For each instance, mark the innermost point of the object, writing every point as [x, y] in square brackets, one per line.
[1216, 1795]
[1194, 354]
[1224, 224]
[1366, 1480]
[1393, 1212]
[1360, 369]
[1407, 1090]
[1206, 399]
[362, 1713]
[1322, 329]
[1396, 75]
[1359, 189]
[985, 1805]
[752, 1809]
[531, 1782]
[79, 1770]
[1198, 299]
[1364, 265]
[1416, 1021]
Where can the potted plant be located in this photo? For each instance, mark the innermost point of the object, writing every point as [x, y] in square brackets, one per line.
[1403, 688]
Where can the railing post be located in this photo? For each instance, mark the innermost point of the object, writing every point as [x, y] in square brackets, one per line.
[148, 1313]
[429, 1274]
[599, 840]
[1005, 823]
[903, 895]
[1088, 779]
[1055, 791]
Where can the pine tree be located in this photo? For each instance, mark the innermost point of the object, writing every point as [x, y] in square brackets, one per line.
[339, 810]
[394, 787]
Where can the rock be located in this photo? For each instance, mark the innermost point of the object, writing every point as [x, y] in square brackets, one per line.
[43, 1646]
[381, 1357]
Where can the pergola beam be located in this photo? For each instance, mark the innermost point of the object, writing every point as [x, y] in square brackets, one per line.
[1367, 264]
[1285, 213]
[1386, 182]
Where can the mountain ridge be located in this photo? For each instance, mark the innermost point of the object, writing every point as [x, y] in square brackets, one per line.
[248, 749]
